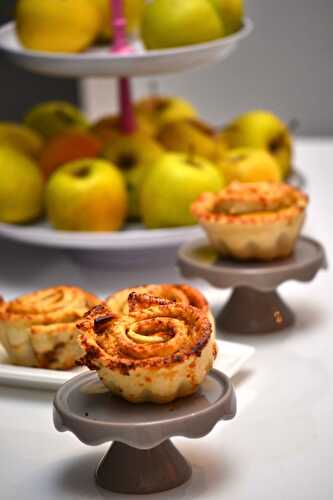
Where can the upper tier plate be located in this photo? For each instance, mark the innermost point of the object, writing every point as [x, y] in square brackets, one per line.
[101, 62]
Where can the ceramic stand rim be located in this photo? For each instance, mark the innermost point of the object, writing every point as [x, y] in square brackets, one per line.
[194, 268]
[84, 377]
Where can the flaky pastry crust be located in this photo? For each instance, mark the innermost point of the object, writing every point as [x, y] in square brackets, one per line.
[159, 351]
[181, 293]
[175, 292]
[39, 329]
[252, 220]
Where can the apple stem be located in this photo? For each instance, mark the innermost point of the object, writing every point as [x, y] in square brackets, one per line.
[294, 125]
[120, 46]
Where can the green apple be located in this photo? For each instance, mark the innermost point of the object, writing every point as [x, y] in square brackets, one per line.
[21, 187]
[160, 110]
[87, 195]
[134, 154]
[231, 13]
[249, 165]
[172, 186]
[54, 117]
[174, 23]
[262, 129]
[191, 136]
[21, 138]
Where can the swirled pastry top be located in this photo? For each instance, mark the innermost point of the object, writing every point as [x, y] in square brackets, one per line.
[249, 203]
[155, 334]
[181, 293]
[59, 304]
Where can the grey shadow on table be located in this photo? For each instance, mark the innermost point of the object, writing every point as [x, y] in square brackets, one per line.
[309, 317]
[15, 394]
[241, 377]
[75, 476]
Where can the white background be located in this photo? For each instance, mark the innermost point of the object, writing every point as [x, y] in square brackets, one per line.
[285, 65]
[279, 447]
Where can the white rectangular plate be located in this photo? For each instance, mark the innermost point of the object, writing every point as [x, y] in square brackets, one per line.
[230, 359]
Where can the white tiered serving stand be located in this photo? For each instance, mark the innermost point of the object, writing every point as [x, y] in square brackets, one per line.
[124, 59]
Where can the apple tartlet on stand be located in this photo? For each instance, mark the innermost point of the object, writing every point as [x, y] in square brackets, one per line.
[254, 245]
[252, 221]
[39, 329]
[157, 352]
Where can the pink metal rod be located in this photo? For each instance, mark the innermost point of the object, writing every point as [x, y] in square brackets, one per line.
[120, 45]
[119, 22]
[127, 120]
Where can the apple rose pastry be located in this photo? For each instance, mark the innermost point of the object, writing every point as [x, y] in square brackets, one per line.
[180, 293]
[252, 221]
[39, 329]
[159, 351]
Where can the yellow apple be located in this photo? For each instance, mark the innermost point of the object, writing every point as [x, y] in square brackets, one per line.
[54, 117]
[231, 13]
[134, 154]
[109, 126]
[21, 187]
[262, 129]
[21, 138]
[249, 165]
[53, 26]
[172, 186]
[174, 23]
[87, 195]
[192, 137]
[160, 110]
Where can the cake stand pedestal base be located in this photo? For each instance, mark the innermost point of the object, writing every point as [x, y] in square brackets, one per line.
[252, 311]
[125, 469]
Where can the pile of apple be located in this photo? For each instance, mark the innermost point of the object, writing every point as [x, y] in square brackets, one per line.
[95, 177]
[75, 25]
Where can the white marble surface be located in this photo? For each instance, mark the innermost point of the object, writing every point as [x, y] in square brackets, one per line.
[281, 443]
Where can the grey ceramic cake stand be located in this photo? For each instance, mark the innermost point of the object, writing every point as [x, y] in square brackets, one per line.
[254, 306]
[142, 459]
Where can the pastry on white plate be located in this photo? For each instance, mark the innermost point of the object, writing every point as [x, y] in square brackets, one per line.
[39, 329]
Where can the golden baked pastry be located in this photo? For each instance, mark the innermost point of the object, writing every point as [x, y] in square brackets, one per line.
[182, 293]
[159, 351]
[252, 220]
[175, 292]
[39, 329]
